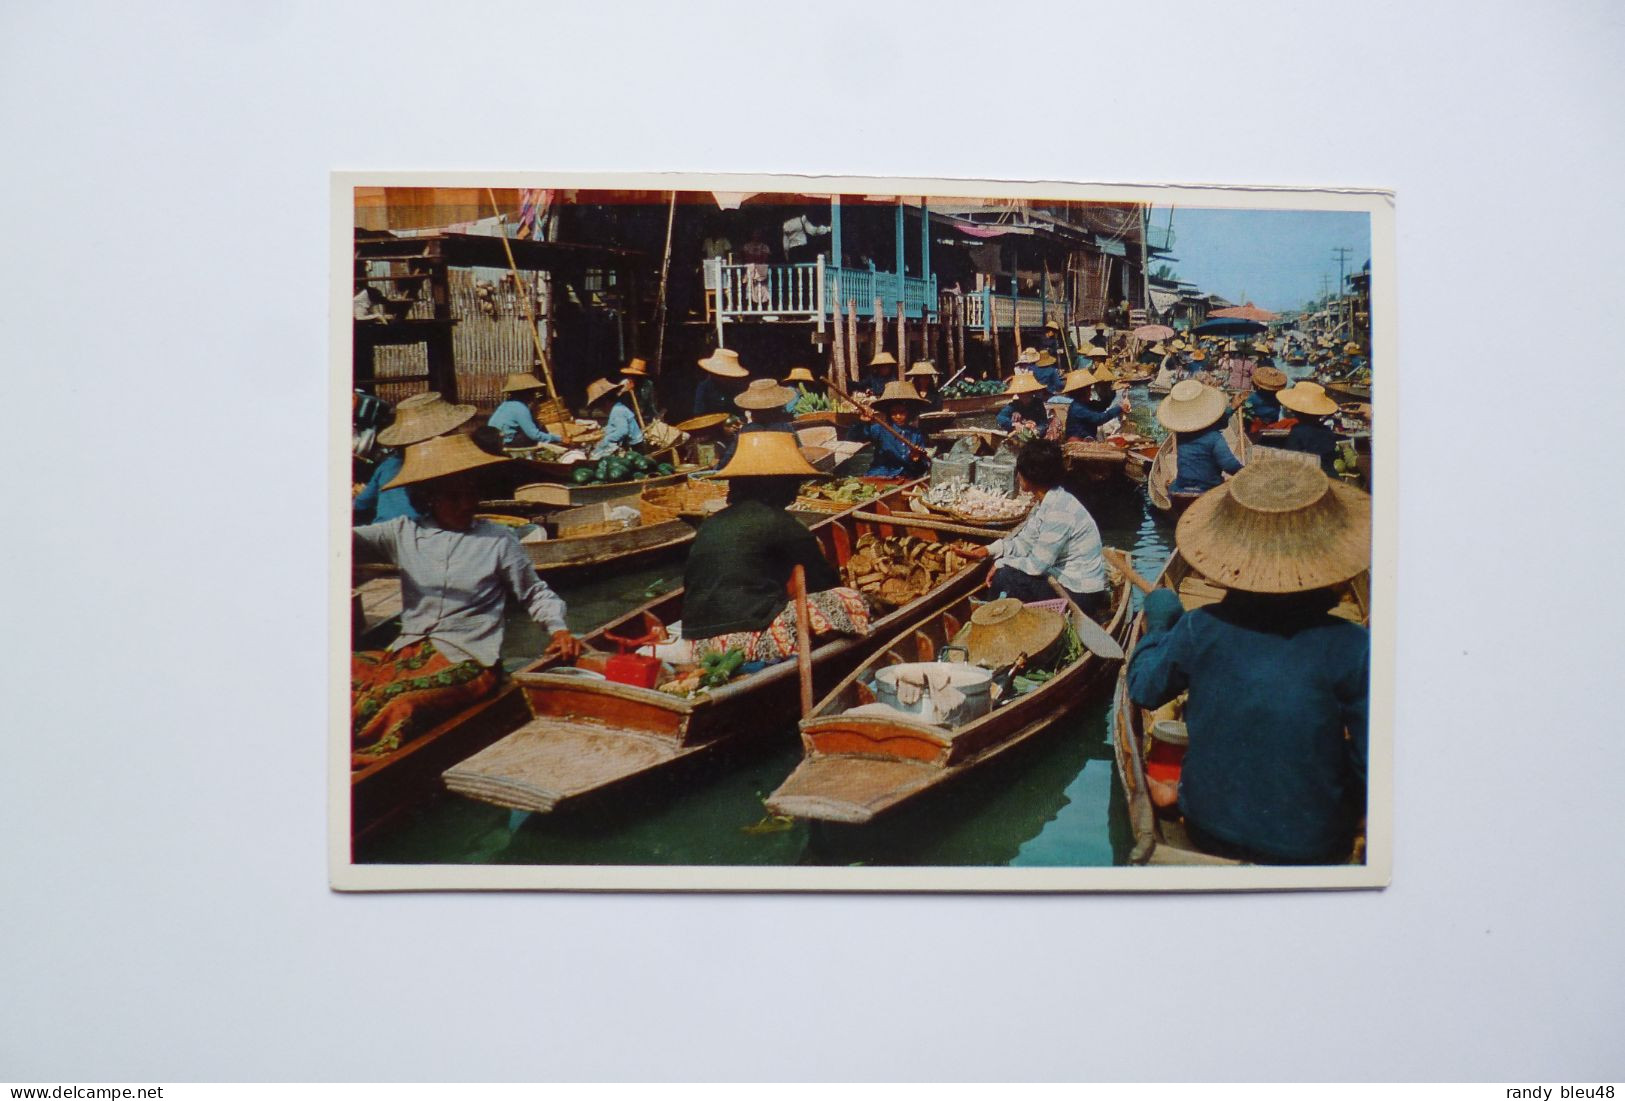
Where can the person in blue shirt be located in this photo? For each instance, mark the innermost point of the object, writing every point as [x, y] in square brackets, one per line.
[1196, 415]
[1026, 409]
[642, 388]
[720, 384]
[881, 372]
[417, 418]
[1046, 371]
[1263, 404]
[923, 377]
[1310, 434]
[621, 429]
[513, 417]
[1278, 686]
[900, 405]
[1082, 418]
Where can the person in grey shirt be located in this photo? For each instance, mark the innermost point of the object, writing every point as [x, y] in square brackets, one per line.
[457, 574]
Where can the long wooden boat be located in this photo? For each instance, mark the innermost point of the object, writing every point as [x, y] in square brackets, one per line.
[975, 403]
[383, 788]
[554, 488]
[580, 736]
[856, 767]
[586, 553]
[1159, 832]
[1348, 392]
[1165, 468]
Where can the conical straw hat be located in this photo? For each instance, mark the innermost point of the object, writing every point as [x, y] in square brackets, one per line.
[602, 388]
[1077, 380]
[1023, 382]
[1003, 630]
[1028, 355]
[1053, 324]
[1093, 351]
[724, 362]
[422, 417]
[764, 393]
[520, 381]
[1190, 406]
[1307, 397]
[799, 374]
[883, 359]
[1104, 373]
[1044, 360]
[900, 391]
[922, 367]
[704, 423]
[1279, 526]
[1198, 356]
[1268, 378]
[441, 457]
[637, 368]
[767, 454]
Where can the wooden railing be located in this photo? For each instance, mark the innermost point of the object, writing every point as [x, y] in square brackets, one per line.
[988, 311]
[799, 292]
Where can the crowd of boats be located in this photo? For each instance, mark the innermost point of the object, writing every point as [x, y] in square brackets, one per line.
[947, 670]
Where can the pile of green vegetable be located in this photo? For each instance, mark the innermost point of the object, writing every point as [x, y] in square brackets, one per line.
[619, 468]
[971, 388]
[846, 491]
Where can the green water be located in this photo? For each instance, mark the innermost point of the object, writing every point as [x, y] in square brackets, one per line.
[1053, 802]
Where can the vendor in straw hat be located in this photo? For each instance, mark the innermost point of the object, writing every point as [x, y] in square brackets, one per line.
[1026, 409]
[1053, 342]
[1263, 405]
[1059, 539]
[1276, 769]
[1309, 433]
[1046, 370]
[457, 575]
[881, 372]
[417, 418]
[642, 387]
[621, 430]
[1195, 414]
[721, 382]
[802, 381]
[900, 406]
[923, 376]
[766, 408]
[740, 564]
[1084, 417]
[513, 418]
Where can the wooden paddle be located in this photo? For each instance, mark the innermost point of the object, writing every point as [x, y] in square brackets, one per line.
[798, 591]
[918, 520]
[870, 415]
[1120, 559]
[1094, 637]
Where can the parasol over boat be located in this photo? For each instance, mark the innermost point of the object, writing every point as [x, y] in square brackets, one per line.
[1154, 333]
[1247, 312]
[1230, 326]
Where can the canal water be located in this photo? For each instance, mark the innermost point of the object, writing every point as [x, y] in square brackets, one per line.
[1055, 802]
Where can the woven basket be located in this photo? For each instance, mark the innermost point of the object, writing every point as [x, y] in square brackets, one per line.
[818, 504]
[692, 498]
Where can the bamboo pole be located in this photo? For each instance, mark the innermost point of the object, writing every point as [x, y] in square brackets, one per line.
[852, 340]
[665, 273]
[902, 339]
[519, 292]
[837, 355]
[880, 328]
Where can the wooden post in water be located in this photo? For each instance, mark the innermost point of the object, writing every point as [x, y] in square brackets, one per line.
[902, 337]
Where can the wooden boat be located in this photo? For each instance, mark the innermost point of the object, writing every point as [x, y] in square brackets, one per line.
[975, 403]
[661, 531]
[1159, 833]
[555, 488]
[858, 766]
[1165, 468]
[1348, 392]
[577, 736]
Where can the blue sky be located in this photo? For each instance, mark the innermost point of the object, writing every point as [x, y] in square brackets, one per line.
[1274, 258]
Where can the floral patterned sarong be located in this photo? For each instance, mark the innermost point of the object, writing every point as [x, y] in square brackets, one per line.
[396, 695]
[839, 611]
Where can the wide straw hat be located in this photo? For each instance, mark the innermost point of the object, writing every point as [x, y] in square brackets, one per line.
[883, 359]
[799, 374]
[1028, 355]
[1306, 397]
[637, 368]
[1103, 373]
[706, 423]
[767, 454]
[1077, 380]
[922, 367]
[423, 417]
[1045, 360]
[521, 381]
[1023, 382]
[764, 393]
[1158, 349]
[599, 389]
[1351, 349]
[724, 362]
[441, 457]
[1001, 631]
[1190, 406]
[1093, 351]
[899, 391]
[1053, 324]
[1198, 356]
[1268, 378]
[1278, 526]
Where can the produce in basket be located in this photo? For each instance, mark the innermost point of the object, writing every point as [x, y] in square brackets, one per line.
[974, 502]
[844, 491]
[893, 571]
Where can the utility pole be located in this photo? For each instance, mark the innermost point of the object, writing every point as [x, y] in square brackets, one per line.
[1342, 255]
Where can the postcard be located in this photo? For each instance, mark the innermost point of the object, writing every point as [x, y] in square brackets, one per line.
[780, 533]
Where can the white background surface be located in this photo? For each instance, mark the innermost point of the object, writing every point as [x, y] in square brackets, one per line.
[165, 912]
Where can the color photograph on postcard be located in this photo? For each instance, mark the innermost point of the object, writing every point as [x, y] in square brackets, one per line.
[774, 533]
